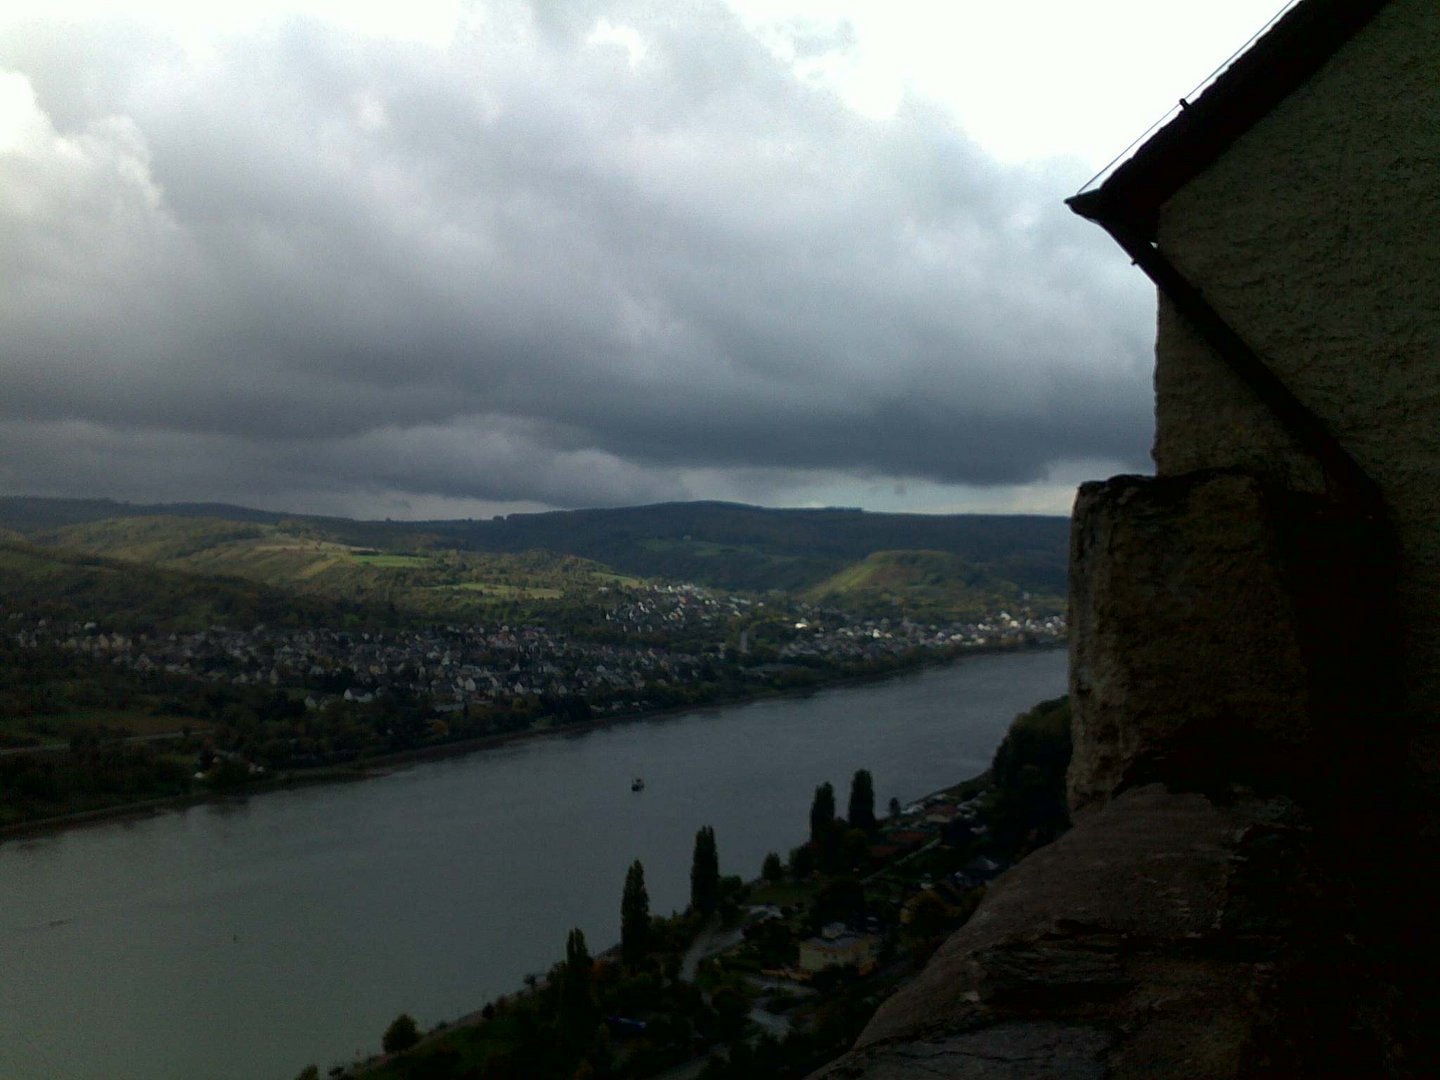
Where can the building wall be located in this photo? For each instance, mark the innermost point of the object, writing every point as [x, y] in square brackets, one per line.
[1317, 237]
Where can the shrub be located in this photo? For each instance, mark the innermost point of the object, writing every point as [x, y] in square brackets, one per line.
[401, 1035]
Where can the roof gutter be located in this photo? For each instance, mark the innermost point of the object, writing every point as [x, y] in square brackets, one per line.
[1345, 481]
[1128, 204]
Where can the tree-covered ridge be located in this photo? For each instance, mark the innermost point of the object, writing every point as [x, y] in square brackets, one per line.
[416, 577]
[64, 584]
[920, 585]
[724, 545]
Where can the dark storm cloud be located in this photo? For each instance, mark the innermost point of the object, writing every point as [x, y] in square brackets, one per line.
[533, 268]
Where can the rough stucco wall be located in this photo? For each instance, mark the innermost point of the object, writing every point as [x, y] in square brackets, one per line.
[1317, 236]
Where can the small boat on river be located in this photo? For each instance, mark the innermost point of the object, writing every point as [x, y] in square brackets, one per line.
[637, 784]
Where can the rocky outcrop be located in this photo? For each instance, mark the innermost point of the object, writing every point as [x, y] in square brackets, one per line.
[1232, 901]
[1166, 935]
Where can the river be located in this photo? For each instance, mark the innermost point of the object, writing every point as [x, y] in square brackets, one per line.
[242, 940]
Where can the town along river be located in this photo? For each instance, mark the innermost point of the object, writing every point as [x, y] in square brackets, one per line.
[245, 939]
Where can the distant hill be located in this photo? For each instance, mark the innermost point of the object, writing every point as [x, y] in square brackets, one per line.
[29, 513]
[739, 546]
[416, 578]
[725, 545]
[128, 596]
[922, 585]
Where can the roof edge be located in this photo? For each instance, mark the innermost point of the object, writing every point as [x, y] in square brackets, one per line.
[1280, 62]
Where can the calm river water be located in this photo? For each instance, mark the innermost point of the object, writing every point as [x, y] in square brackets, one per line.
[240, 941]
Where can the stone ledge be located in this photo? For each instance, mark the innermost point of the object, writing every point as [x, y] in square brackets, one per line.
[1148, 941]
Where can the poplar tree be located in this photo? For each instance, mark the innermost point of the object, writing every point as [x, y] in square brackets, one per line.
[578, 1011]
[822, 814]
[634, 917]
[705, 873]
[862, 801]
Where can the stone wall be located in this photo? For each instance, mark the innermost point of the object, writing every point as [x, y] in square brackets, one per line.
[1187, 663]
[1226, 630]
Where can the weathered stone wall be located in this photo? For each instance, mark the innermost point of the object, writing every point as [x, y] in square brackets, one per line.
[1186, 659]
[1317, 237]
[1226, 630]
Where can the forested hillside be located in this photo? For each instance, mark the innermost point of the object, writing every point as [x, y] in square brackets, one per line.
[719, 544]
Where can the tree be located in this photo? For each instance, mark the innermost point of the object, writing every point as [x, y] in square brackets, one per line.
[822, 813]
[578, 1011]
[894, 807]
[635, 917]
[401, 1035]
[705, 872]
[772, 870]
[862, 801]
[802, 861]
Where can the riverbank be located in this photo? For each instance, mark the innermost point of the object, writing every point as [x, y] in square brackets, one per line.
[854, 927]
[920, 875]
[308, 921]
[379, 765]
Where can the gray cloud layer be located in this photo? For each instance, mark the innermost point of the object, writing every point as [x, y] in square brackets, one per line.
[528, 270]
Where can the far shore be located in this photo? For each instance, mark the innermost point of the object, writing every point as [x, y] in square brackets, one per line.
[382, 764]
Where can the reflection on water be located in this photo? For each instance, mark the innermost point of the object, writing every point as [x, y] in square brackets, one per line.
[246, 938]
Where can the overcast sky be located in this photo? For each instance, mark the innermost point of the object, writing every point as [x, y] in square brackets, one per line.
[456, 259]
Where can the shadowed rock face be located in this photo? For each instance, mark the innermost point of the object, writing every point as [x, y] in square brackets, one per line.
[1225, 630]
[1002, 1052]
[1186, 653]
[1226, 905]
[1165, 935]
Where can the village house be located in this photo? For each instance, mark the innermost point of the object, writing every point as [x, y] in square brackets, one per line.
[838, 946]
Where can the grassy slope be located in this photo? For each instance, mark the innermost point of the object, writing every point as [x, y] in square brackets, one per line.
[721, 544]
[130, 596]
[300, 557]
[920, 584]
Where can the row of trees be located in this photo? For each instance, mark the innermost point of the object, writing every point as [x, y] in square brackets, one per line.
[838, 842]
[561, 1028]
[860, 814]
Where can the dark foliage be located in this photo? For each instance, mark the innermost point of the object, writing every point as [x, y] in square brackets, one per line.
[635, 929]
[705, 872]
[861, 813]
[401, 1035]
[1030, 808]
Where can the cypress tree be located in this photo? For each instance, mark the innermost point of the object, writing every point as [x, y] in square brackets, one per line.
[862, 801]
[705, 872]
[822, 814]
[772, 870]
[634, 917]
[578, 1011]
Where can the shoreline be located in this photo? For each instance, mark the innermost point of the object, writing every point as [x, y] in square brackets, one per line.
[476, 1017]
[371, 768]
